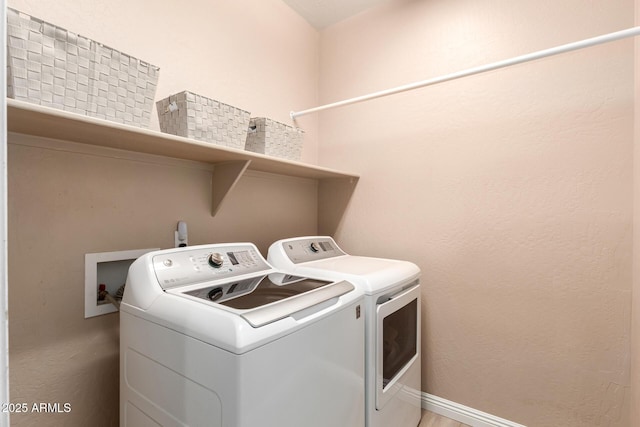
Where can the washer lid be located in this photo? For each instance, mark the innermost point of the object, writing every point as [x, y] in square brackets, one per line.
[289, 306]
[260, 300]
[254, 292]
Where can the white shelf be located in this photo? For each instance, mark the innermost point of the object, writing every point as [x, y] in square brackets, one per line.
[36, 120]
[48, 122]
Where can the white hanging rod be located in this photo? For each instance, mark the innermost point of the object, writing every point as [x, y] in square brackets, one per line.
[631, 32]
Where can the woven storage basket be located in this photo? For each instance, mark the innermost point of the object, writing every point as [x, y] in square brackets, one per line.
[273, 138]
[195, 116]
[51, 66]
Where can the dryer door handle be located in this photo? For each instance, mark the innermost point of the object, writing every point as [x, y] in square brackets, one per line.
[279, 310]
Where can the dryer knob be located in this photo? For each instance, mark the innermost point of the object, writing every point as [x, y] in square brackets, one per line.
[314, 247]
[215, 260]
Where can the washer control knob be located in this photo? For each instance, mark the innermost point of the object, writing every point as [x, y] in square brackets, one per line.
[215, 294]
[314, 247]
[215, 260]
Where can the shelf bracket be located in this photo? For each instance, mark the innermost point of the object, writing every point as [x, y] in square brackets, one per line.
[334, 195]
[225, 177]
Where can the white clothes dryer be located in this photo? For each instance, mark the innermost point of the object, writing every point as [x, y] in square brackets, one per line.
[392, 321]
[212, 335]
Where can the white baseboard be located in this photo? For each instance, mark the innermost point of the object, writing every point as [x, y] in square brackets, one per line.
[463, 414]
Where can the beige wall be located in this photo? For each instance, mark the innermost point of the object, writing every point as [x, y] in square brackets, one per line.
[511, 190]
[257, 55]
[635, 326]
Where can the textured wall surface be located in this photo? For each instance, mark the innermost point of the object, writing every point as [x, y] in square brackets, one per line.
[511, 190]
[635, 326]
[257, 55]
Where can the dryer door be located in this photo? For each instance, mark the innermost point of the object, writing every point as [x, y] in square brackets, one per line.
[397, 341]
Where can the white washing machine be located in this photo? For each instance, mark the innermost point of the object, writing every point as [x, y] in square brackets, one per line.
[214, 336]
[392, 321]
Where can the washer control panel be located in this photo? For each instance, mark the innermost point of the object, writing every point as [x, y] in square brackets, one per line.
[190, 265]
[311, 249]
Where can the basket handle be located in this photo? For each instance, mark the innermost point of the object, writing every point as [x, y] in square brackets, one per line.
[173, 106]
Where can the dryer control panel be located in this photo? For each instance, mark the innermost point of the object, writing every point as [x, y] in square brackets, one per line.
[311, 249]
[196, 264]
